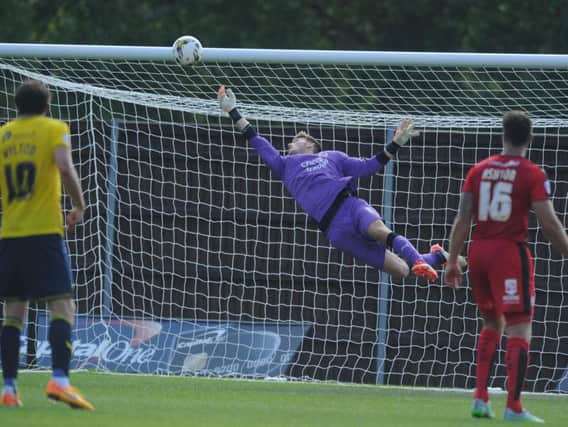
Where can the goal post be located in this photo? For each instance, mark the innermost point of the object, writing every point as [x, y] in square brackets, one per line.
[194, 260]
[287, 56]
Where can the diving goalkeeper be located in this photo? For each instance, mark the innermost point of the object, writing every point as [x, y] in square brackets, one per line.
[324, 183]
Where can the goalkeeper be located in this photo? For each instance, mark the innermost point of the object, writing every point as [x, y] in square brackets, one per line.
[323, 183]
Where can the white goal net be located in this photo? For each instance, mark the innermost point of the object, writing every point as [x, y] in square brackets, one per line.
[193, 259]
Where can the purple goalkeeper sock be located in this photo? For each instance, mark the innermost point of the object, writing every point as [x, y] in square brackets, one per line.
[435, 259]
[402, 247]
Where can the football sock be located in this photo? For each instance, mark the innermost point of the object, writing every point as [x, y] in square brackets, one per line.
[486, 346]
[60, 378]
[10, 345]
[435, 259]
[517, 361]
[61, 347]
[9, 388]
[402, 247]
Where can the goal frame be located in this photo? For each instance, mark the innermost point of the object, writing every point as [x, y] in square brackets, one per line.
[284, 56]
[287, 56]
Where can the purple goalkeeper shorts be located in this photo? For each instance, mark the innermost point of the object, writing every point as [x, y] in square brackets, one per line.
[348, 232]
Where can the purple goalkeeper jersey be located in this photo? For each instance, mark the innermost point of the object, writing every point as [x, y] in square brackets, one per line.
[315, 180]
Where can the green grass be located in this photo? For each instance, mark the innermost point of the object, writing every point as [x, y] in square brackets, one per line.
[143, 401]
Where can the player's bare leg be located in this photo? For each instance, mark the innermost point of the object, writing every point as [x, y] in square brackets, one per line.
[395, 266]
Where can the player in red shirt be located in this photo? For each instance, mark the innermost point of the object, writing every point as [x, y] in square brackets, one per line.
[497, 195]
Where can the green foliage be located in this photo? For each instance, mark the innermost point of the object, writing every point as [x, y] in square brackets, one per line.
[419, 25]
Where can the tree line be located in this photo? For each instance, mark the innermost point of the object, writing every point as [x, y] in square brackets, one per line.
[417, 25]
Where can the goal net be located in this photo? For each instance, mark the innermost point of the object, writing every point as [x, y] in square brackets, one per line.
[194, 260]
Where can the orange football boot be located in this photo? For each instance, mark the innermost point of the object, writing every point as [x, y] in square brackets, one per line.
[11, 399]
[69, 395]
[421, 269]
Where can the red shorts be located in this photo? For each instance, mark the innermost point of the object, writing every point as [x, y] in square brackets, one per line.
[502, 279]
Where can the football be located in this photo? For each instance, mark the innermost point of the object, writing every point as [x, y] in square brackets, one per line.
[187, 50]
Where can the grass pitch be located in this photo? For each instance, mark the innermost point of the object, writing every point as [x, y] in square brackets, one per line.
[144, 401]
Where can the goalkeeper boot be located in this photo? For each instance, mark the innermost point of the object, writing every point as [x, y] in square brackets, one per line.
[445, 255]
[422, 269]
[523, 417]
[69, 395]
[11, 397]
[481, 409]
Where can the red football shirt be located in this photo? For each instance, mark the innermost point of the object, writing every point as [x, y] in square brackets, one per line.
[503, 189]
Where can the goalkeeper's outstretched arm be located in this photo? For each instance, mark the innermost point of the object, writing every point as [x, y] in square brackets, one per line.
[228, 103]
[269, 154]
[353, 166]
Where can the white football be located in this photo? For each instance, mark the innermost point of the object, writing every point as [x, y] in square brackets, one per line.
[187, 50]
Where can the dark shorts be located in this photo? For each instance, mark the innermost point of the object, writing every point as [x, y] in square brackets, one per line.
[502, 278]
[348, 232]
[36, 267]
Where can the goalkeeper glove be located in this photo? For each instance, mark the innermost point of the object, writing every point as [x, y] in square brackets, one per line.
[228, 103]
[404, 132]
